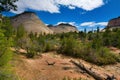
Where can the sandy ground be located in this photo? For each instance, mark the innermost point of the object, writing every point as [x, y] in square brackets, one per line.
[38, 69]
[115, 50]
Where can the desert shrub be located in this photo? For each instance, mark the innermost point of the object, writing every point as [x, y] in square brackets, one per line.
[48, 43]
[5, 57]
[49, 46]
[101, 56]
[98, 54]
[30, 53]
[68, 46]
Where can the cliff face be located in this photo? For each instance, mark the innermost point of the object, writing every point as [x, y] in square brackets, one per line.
[114, 23]
[31, 23]
[63, 28]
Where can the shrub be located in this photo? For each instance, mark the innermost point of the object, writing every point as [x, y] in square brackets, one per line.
[5, 57]
[47, 43]
[100, 55]
[68, 46]
[104, 56]
[31, 53]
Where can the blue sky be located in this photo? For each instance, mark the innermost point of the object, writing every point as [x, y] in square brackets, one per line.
[87, 14]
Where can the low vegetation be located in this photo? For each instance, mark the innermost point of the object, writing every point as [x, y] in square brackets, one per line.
[86, 51]
[91, 46]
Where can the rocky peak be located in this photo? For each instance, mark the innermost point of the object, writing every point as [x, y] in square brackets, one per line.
[66, 24]
[114, 23]
[63, 28]
[31, 23]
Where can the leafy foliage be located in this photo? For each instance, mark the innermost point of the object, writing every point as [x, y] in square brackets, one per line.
[6, 41]
[7, 5]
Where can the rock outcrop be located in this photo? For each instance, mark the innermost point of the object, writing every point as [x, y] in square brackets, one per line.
[63, 28]
[31, 23]
[114, 23]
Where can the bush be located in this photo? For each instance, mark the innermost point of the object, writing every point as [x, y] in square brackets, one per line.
[6, 73]
[31, 53]
[68, 46]
[100, 55]
[47, 44]
[5, 57]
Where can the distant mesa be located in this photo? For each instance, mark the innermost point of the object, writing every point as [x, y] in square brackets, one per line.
[63, 28]
[30, 22]
[114, 23]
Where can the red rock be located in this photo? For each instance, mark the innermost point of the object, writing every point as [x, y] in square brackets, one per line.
[114, 23]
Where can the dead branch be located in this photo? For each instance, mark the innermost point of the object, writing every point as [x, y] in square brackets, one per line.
[52, 63]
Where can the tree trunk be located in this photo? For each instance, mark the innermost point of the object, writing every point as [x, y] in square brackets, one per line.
[92, 73]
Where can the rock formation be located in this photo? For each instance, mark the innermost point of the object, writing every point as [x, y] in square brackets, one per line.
[31, 23]
[114, 23]
[63, 28]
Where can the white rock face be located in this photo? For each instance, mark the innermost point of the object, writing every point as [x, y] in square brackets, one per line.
[31, 23]
[63, 28]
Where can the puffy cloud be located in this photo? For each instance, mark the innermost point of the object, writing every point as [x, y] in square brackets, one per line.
[53, 6]
[93, 24]
[84, 4]
[40, 5]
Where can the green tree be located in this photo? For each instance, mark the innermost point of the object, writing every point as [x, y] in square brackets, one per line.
[7, 5]
[6, 40]
[5, 55]
[5, 44]
[6, 25]
[107, 37]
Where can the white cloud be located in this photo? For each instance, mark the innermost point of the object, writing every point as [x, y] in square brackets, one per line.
[102, 23]
[53, 6]
[84, 4]
[71, 7]
[87, 24]
[93, 24]
[40, 5]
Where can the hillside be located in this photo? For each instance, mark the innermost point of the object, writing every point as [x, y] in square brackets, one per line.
[31, 23]
[63, 28]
